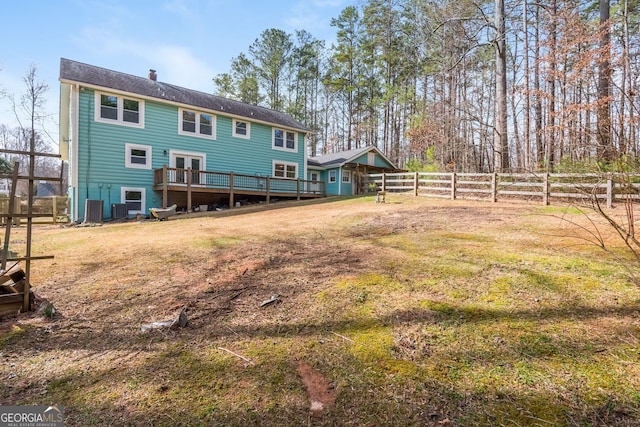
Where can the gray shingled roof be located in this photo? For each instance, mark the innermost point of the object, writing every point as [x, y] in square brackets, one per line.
[339, 159]
[79, 72]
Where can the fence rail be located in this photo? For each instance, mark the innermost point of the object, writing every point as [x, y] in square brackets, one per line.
[45, 210]
[545, 187]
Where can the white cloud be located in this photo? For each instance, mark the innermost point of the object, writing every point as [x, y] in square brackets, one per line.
[174, 64]
[178, 7]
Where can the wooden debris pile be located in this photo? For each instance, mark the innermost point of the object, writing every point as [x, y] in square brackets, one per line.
[12, 286]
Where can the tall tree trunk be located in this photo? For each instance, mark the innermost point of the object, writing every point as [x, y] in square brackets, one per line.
[551, 79]
[540, 149]
[623, 84]
[527, 97]
[605, 143]
[501, 143]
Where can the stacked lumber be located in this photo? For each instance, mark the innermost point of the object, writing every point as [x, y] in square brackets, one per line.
[12, 286]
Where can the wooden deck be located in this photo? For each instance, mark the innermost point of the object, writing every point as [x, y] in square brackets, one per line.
[196, 181]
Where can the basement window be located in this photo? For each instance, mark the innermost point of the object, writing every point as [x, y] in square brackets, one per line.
[134, 198]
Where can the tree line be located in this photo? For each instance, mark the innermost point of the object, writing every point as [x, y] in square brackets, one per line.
[459, 85]
[29, 135]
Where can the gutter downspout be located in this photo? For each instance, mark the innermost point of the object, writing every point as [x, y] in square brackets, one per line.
[73, 145]
[306, 166]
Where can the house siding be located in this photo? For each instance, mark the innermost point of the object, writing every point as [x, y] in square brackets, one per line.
[101, 170]
[346, 163]
[378, 161]
[333, 187]
[346, 189]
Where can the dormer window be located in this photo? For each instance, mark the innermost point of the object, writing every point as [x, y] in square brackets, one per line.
[118, 109]
[195, 123]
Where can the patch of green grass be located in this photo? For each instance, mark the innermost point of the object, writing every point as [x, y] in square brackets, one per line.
[15, 333]
[555, 210]
[372, 345]
[221, 242]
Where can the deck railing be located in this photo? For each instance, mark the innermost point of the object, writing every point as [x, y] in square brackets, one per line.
[195, 180]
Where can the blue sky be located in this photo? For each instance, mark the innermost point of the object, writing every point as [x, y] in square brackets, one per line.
[188, 42]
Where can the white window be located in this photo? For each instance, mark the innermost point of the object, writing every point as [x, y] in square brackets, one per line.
[346, 177]
[333, 176]
[119, 109]
[284, 140]
[134, 198]
[241, 129]
[285, 169]
[137, 156]
[197, 123]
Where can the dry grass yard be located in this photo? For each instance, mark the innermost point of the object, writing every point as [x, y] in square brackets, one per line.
[414, 312]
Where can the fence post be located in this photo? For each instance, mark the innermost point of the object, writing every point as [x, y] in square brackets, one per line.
[545, 189]
[54, 209]
[415, 184]
[609, 191]
[453, 185]
[494, 187]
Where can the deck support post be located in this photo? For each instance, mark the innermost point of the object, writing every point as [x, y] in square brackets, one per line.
[268, 189]
[165, 190]
[188, 189]
[231, 195]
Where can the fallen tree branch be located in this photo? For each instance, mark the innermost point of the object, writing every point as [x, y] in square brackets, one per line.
[342, 336]
[237, 355]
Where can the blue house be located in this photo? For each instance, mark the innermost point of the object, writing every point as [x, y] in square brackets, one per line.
[135, 143]
[342, 172]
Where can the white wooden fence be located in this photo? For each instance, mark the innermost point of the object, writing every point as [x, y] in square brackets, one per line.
[543, 187]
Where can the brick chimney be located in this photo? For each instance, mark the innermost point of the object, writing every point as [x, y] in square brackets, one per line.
[152, 75]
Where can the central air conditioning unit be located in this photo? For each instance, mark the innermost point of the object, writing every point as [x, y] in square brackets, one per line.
[119, 211]
[93, 210]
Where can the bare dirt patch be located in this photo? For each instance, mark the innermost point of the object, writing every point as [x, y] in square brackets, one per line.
[321, 393]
